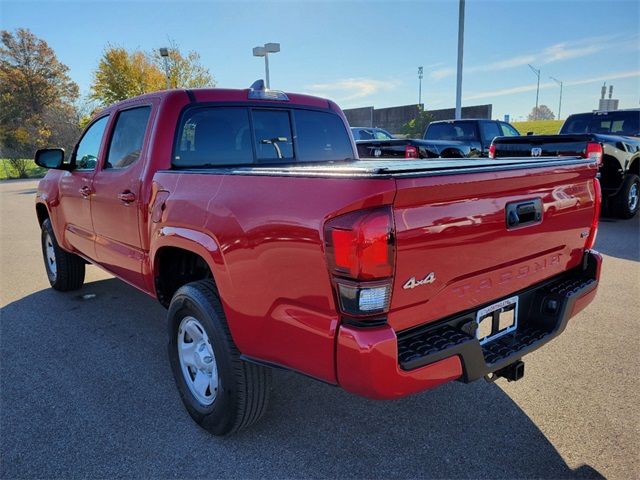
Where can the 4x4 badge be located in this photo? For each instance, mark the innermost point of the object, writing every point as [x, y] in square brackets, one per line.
[413, 283]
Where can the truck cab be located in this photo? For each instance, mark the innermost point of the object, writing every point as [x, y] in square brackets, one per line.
[478, 134]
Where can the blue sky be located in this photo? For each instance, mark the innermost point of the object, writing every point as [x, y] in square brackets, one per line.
[367, 53]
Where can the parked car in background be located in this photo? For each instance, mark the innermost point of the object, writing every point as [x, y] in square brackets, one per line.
[270, 249]
[366, 133]
[442, 139]
[477, 134]
[615, 134]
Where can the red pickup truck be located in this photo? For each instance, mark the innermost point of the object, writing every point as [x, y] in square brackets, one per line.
[247, 214]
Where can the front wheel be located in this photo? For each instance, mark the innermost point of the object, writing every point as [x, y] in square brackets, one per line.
[221, 392]
[64, 270]
[627, 201]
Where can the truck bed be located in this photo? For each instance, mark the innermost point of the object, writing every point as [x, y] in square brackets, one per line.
[389, 168]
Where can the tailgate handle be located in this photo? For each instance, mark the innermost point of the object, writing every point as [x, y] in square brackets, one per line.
[520, 214]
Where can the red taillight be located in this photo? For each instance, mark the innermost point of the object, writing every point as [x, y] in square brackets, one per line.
[410, 152]
[597, 204]
[360, 253]
[359, 244]
[594, 152]
[492, 151]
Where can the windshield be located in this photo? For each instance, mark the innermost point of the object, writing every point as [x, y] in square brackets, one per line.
[614, 123]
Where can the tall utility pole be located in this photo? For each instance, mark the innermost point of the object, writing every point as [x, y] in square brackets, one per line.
[164, 53]
[560, 103]
[419, 86]
[460, 50]
[537, 73]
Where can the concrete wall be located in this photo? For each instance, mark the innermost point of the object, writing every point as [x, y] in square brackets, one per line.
[474, 111]
[360, 117]
[393, 118]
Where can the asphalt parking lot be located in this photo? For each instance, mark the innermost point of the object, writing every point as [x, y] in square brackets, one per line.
[86, 391]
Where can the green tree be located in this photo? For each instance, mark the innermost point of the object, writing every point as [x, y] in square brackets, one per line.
[541, 113]
[122, 74]
[36, 98]
[415, 128]
[184, 71]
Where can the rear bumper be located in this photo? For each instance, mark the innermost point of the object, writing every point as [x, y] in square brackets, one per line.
[378, 363]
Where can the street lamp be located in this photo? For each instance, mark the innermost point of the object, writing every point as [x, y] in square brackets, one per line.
[536, 71]
[164, 53]
[460, 51]
[264, 51]
[419, 86]
[559, 104]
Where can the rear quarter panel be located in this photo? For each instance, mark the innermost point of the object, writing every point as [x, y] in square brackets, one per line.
[266, 253]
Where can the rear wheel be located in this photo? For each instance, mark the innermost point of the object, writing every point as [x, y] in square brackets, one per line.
[626, 203]
[64, 270]
[221, 392]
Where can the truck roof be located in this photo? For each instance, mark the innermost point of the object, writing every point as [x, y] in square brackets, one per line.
[227, 95]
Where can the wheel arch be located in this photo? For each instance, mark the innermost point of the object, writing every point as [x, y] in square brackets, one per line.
[181, 256]
[634, 166]
[42, 212]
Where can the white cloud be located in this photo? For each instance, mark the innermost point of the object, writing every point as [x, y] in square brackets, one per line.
[553, 53]
[531, 87]
[349, 89]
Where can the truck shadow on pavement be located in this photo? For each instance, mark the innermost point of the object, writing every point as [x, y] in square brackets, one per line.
[619, 238]
[86, 390]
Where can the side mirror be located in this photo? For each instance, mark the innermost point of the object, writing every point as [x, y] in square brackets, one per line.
[51, 158]
[529, 134]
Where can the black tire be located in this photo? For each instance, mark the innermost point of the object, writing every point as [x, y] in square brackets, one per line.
[621, 204]
[243, 388]
[67, 272]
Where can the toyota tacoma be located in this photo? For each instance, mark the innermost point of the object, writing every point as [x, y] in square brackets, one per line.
[248, 216]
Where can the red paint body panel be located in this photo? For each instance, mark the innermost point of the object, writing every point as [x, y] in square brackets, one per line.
[262, 238]
[460, 234]
[368, 365]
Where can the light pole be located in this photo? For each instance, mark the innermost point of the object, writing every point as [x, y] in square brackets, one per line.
[419, 86]
[264, 51]
[559, 104]
[537, 73]
[164, 53]
[460, 50]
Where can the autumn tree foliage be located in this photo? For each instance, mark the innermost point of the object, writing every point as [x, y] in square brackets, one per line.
[122, 74]
[185, 71]
[36, 99]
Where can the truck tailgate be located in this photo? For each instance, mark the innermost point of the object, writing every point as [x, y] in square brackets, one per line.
[541, 145]
[455, 251]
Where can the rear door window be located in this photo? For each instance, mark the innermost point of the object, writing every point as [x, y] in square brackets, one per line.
[490, 131]
[458, 131]
[127, 137]
[321, 136]
[214, 137]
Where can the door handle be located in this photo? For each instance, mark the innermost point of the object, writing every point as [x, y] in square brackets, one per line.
[127, 197]
[85, 191]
